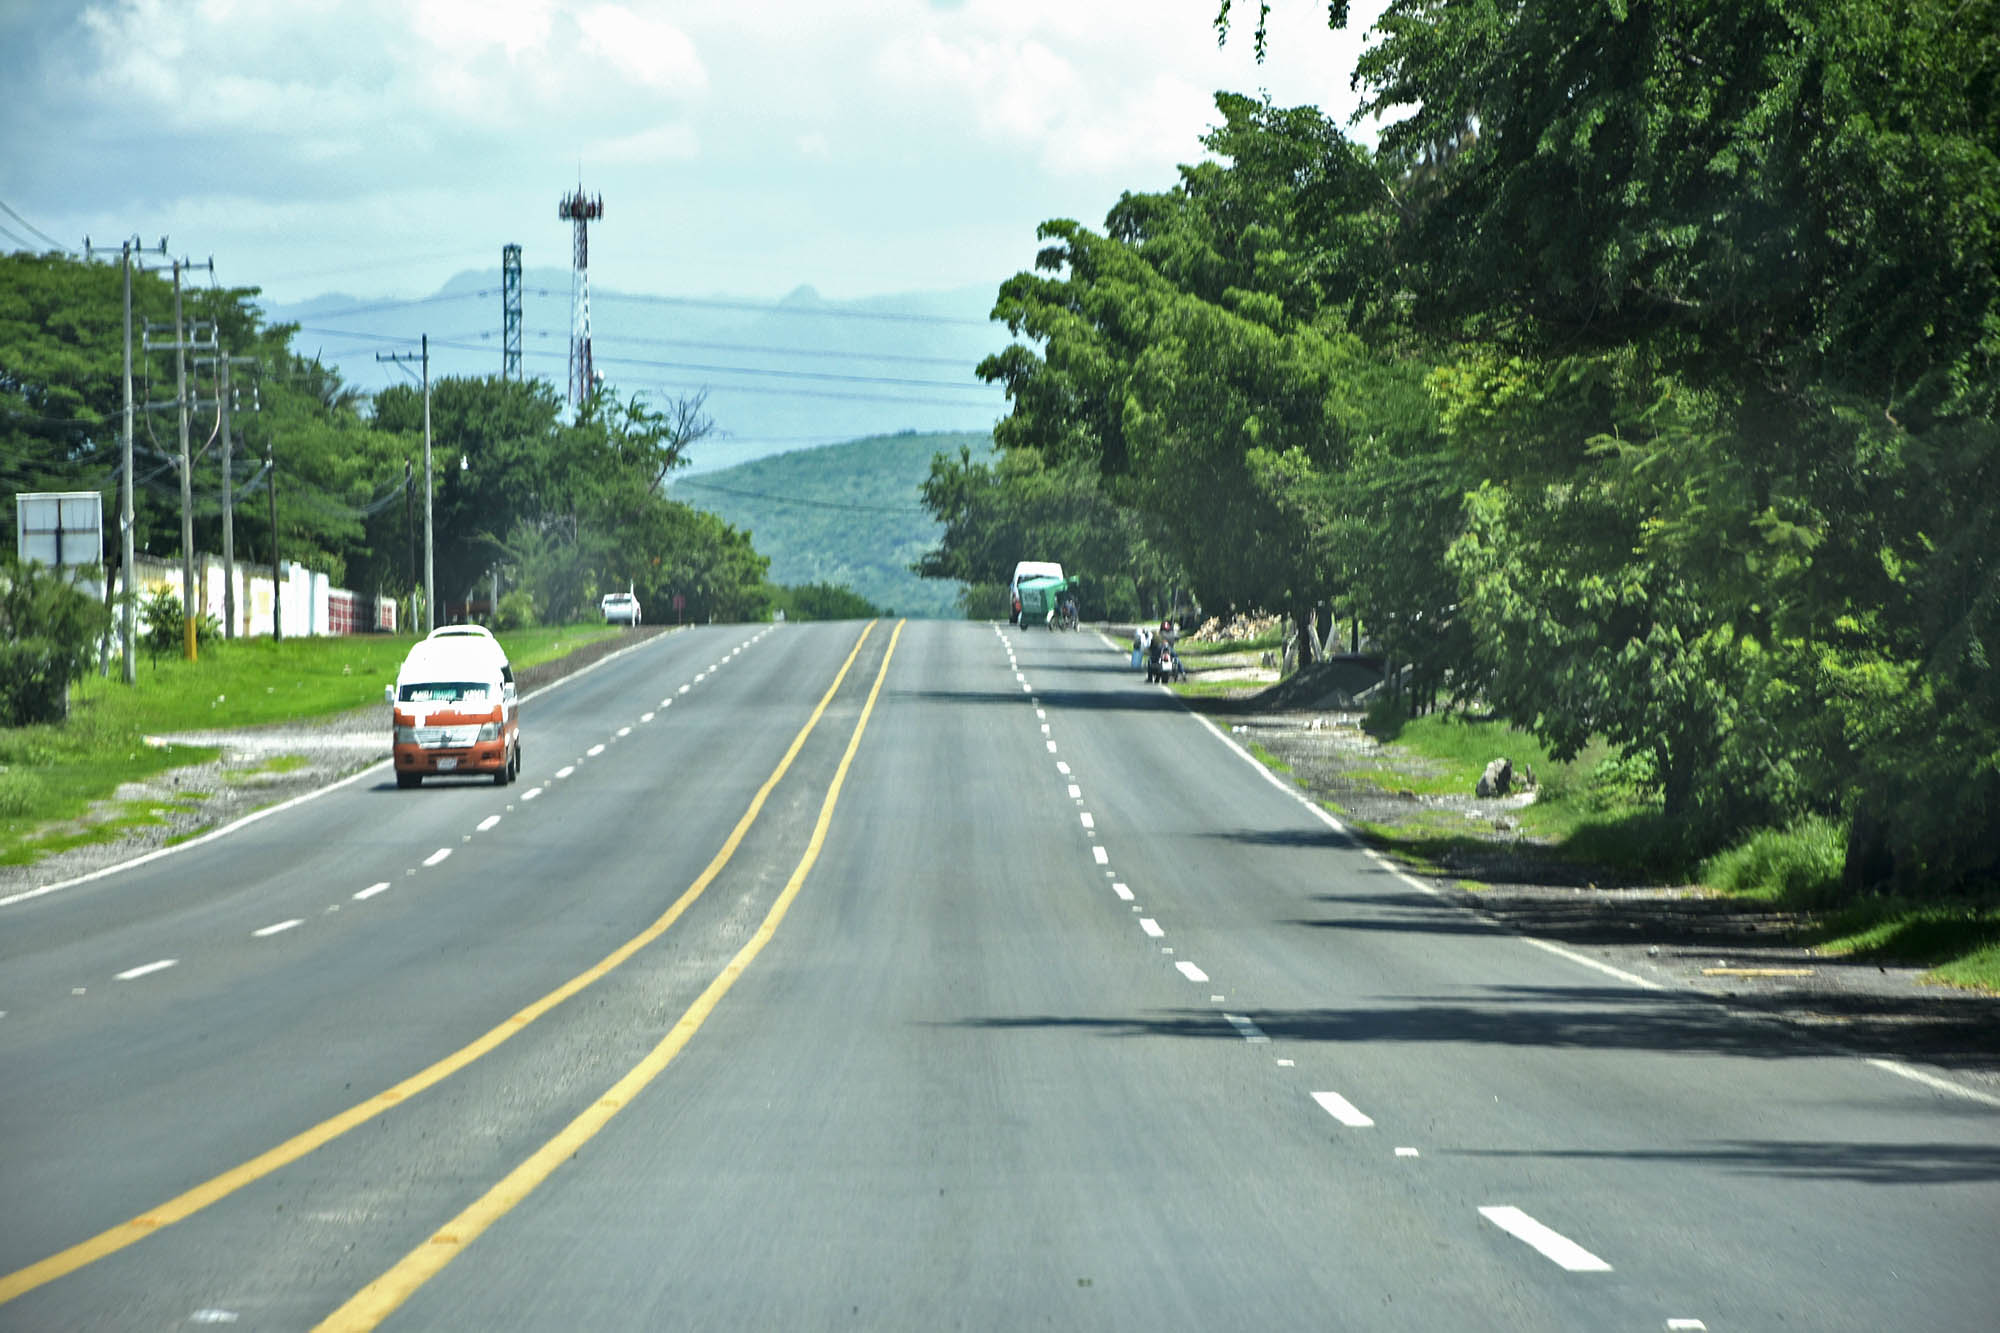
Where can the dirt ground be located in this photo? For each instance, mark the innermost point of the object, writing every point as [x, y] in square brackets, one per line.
[1742, 957]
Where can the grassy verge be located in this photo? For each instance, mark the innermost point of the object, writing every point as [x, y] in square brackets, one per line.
[1593, 811]
[50, 775]
[1263, 643]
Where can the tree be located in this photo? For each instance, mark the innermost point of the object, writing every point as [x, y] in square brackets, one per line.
[49, 633]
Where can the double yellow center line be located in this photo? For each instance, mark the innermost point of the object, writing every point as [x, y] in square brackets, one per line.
[374, 1303]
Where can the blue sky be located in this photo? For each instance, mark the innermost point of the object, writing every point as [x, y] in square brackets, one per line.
[377, 147]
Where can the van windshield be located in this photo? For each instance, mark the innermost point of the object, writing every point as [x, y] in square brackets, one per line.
[445, 692]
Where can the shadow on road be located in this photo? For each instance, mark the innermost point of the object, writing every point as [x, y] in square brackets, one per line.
[1576, 1018]
[1794, 1159]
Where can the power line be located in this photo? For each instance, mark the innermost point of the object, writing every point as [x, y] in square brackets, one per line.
[774, 309]
[459, 344]
[33, 228]
[644, 298]
[796, 500]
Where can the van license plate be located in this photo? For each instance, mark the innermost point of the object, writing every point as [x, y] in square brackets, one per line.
[446, 765]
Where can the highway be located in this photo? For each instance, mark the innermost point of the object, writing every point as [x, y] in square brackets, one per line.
[911, 976]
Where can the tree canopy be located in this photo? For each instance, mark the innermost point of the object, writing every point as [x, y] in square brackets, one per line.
[1640, 383]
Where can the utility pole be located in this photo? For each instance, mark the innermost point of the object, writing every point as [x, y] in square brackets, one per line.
[128, 622]
[130, 251]
[225, 402]
[430, 602]
[277, 588]
[180, 346]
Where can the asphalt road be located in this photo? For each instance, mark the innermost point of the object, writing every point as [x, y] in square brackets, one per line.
[911, 977]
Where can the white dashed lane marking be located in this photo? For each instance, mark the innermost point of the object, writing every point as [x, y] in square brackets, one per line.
[1062, 768]
[647, 717]
[1101, 856]
[437, 856]
[1245, 1029]
[488, 822]
[1552, 1245]
[278, 929]
[370, 891]
[1190, 971]
[531, 793]
[624, 731]
[1075, 792]
[1346, 1112]
[1151, 927]
[1088, 822]
[1122, 892]
[565, 770]
[594, 751]
[134, 973]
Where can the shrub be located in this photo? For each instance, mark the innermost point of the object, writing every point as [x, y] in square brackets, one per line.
[1799, 864]
[49, 630]
[165, 626]
[516, 611]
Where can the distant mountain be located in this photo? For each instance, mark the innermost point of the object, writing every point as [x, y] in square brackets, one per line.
[842, 514]
[780, 375]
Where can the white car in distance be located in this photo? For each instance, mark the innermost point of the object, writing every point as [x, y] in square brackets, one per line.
[620, 608]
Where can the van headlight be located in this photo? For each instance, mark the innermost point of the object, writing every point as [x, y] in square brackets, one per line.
[490, 732]
[406, 735]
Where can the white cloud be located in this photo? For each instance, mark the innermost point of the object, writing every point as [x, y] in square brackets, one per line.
[662, 143]
[645, 50]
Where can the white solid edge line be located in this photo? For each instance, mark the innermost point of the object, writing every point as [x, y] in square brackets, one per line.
[1901, 1070]
[278, 929]
[1346, 1112]
[1630, 978]
[313, 795]
[1552, 1245]
[133, 973]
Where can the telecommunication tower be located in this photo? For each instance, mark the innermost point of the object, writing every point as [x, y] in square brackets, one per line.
[510, 312]
[581, 210]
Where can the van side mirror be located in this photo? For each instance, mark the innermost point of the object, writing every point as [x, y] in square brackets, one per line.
[389, 694]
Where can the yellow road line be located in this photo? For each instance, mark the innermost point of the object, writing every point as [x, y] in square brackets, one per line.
[380, 1298]
[183, 1206]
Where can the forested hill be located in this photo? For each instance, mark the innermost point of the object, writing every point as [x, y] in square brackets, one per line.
[842, 514]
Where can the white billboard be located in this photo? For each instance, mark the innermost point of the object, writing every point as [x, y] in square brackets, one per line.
[60, 528]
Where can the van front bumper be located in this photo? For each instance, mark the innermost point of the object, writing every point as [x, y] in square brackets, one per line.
[486, 757]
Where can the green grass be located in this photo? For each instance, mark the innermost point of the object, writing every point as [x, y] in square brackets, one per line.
[1597, 811]
[1266, 758]
[50, 775]
[1958, 941]
[1263, 643]
[277, 763]
[1799, 866]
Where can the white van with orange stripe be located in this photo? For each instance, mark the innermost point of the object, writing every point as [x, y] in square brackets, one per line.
[455, 709]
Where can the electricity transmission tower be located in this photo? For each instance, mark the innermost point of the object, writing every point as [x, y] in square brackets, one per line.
[510, 312]
[581, 210]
